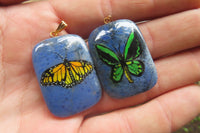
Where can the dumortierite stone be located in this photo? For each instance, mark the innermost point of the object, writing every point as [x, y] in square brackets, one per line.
[122, 60]
[66, 75]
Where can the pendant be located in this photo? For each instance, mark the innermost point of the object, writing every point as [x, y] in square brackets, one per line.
[121, 58]
[66, 74]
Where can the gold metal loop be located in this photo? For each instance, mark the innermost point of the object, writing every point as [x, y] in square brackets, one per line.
[108, 19]
[86, 40]
[61, 27]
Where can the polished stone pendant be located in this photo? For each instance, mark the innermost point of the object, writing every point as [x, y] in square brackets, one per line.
[122, 60]
[66, 75]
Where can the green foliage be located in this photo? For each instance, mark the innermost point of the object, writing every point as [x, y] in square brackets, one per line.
[192, 127]
[186, 130]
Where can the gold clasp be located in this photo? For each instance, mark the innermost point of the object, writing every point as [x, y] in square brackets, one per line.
[61, 27]
[108, 19]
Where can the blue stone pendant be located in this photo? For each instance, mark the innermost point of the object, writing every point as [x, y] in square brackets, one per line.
[122, 60]
[66, 75]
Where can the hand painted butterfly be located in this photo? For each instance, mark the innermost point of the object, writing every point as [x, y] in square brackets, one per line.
[66, 74]
[123, 63]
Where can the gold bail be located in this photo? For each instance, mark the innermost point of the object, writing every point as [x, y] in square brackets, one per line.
[108, 19]
[61, 27]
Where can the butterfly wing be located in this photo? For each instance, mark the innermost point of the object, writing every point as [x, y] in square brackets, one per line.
[107, 55]
[131, 52]
[133, 47]
[66, 74]
[135, 67]
[54, 75]
[117, 73]
[79, 70]
[111, 59]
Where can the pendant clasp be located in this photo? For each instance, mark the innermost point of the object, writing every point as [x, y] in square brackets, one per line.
[61, 27]
[108, 19]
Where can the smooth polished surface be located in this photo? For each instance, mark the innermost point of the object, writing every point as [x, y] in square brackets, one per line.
[66, 75]
[122, 60]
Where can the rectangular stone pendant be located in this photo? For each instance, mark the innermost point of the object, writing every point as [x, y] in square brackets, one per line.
[122, 60]
[66, 75]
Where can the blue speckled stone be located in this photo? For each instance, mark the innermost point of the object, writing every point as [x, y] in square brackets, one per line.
[116, 34]
[61, 101]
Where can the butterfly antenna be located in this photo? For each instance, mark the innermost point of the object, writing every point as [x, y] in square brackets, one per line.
[117, 50]
[121, 53]
[58, 55]
[79, 55]
[54, 51]
[65, 53]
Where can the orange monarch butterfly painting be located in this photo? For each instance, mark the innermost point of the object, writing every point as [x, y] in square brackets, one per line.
[66, 74]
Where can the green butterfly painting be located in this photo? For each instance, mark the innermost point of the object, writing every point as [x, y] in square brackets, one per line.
[125, 63]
